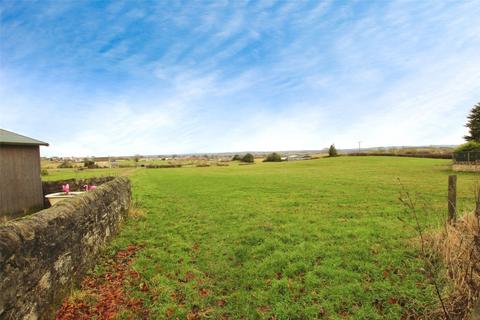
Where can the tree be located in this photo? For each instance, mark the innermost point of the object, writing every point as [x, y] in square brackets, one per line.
[273, 157]
[332, 151]
[136, 158]
[473, 124]
[89, 163]
[248, 158]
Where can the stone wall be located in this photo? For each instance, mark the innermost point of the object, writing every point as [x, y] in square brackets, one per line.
[464, 167]
[43, 255]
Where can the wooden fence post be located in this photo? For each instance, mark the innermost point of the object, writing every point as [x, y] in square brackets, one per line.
[452, 198]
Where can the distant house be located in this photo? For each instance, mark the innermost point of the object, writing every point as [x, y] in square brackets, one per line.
[20, 181]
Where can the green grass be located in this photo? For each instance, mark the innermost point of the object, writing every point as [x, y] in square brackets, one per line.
[63, 174]
[297, 240]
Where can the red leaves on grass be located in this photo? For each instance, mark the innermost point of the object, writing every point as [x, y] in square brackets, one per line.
[189, 276]
[169, 313]
[263, 309]
[107, 293]
[203, 292]
[221, 303]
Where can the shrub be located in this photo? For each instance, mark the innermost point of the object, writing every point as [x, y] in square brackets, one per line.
[65, 164]
[273, 157]
[90, 164]
[332, 151]
[44, 172]
[248, 158]
[467, 147]
[236, 158]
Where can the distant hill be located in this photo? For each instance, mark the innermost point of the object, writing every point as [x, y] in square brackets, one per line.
[397, 149]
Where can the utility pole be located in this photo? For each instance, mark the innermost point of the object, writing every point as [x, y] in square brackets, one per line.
[359, 146]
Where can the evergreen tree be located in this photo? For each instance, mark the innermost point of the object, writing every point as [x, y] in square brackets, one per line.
[473, 124]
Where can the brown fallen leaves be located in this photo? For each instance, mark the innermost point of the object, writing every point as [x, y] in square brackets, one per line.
[105, 297]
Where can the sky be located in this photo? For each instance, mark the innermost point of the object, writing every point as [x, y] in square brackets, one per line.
[161, 77]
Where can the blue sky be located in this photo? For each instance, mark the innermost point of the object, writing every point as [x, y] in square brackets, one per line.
[153, 77]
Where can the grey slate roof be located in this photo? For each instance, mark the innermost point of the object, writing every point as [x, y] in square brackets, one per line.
[8, 137]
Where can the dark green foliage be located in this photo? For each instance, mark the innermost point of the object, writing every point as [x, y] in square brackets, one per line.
[468, 147]
[65, 164]
[89, 163]
[44, 172]
[248, 158]
[473, 124]
[332, 151]
[236, 158]
[273, 157]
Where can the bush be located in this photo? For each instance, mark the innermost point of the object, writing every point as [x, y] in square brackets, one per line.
[90, 164]
[248, 158]
[44, 172]
[236, 158]
[65, 164]
[332, 151]
[273, 157]
[467, 147]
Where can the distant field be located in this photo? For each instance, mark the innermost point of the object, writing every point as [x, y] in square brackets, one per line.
[294, 240]
[61, 174]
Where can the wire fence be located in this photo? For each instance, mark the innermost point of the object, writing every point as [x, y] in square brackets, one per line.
[468, 157]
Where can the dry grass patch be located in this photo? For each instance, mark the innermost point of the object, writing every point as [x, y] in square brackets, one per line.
[136, 210]
[458, 246]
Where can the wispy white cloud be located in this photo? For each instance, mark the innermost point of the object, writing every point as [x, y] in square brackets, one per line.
[225, 76]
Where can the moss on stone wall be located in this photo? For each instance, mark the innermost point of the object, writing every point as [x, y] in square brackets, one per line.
[44, 254]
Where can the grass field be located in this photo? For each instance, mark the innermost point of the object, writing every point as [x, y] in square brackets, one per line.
[62, 174]
[298, 240]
